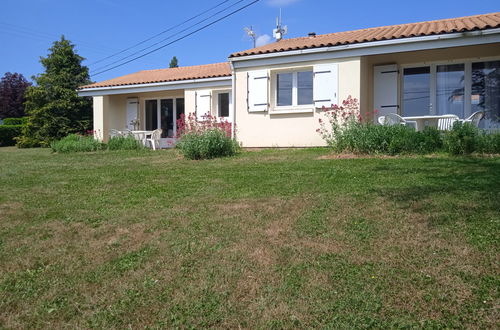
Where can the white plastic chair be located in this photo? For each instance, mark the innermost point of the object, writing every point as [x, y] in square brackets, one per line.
[446, 123]
[381, 120]
[395, 119]
[114, 133]
[154, 139]
[475, 118]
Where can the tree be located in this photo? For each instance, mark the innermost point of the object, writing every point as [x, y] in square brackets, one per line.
[12, 89]
[53, 105]
[173, 63]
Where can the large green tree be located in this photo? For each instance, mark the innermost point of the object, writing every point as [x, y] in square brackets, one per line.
[53, 105]
[174, 63]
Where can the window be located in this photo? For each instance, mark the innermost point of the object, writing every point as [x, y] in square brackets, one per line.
[459, 88]
[223, 104]
[294, 88]
[416, 91]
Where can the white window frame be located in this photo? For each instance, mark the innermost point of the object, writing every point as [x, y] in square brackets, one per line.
[294, 107]
[433, 75]
[215, 104]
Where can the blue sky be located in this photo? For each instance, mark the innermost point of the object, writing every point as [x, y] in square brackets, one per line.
[100, 28]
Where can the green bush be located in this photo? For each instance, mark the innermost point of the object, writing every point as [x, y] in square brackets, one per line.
[15, 121]
[76, 143]
[124, 143]
[488, 143]
[208, 144]
[367, 138]
[8, 133]
[462, 139]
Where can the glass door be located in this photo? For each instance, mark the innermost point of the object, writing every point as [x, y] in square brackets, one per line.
[450, 87]
[417, 91]
[163, 113]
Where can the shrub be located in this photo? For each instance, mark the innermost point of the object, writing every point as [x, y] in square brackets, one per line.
[205, 139]
[124, 143]
[462, 139]
[15, 121]
[76, 143]
[8, 133]
[488, 143]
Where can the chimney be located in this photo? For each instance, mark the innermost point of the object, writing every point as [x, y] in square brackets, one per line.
[311, 34]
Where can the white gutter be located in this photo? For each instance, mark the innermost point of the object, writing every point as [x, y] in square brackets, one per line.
[488, 36]
[151, 87]
[233, 105]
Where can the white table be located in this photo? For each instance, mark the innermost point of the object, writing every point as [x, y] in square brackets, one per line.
[420, 120]
[141, 135]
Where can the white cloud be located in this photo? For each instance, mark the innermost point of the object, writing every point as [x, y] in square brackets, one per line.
[263, 40]
[281, 3]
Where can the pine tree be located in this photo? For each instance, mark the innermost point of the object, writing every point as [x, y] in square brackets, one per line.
[53, 105]
[173, 63]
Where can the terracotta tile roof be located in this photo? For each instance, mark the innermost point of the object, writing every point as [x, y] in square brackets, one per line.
[461, 24]
[163, 75]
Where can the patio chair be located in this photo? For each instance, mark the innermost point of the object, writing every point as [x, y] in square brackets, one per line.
[381, 120]
[446, 122]
[114, 133]
[475, 118]
[154, 139]
[395, 119]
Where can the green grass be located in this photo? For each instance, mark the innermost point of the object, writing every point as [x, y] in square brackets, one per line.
[268, 239]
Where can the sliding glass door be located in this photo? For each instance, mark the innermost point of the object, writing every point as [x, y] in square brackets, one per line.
[163, 113]
[450, 88]
[459, 89]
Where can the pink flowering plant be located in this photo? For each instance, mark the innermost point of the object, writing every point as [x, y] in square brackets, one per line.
[207, 138]
[338, 119]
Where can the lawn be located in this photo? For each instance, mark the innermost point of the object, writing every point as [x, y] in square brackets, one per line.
[268, 239]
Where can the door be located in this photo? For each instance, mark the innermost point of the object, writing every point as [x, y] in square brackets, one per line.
[164, 113]
[385, 89]
[417, 91]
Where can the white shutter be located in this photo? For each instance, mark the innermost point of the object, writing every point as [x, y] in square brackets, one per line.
[385, 89]
[326, 84]
[257, 91]
[132, 112]
[203, 103]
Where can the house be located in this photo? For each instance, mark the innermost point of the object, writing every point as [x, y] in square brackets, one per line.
[274, 94]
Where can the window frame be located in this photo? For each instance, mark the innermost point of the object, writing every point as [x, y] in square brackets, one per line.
[294, 107]
[433, 80]
[215, 103]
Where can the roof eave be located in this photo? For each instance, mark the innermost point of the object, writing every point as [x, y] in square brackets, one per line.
[363, 45]
[152, 87]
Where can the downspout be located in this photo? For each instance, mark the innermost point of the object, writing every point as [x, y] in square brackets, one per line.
[233, 95]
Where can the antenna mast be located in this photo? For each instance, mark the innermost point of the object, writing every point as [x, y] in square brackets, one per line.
[280, 31]
[251, 33]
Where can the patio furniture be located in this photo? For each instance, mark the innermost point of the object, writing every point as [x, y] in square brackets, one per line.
[381, 120]
[114, 133]
[475, 118]
[395, 119]
[432, 120]
[154, 139]
[445, 123]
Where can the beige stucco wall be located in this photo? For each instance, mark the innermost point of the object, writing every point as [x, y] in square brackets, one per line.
[265, 129]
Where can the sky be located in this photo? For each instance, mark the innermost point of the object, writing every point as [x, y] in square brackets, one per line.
[101, 28]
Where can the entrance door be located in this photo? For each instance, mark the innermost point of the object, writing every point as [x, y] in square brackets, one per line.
[164, 113]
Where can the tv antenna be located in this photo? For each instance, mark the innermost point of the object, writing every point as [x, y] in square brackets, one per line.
[280, 31]
[251, 33]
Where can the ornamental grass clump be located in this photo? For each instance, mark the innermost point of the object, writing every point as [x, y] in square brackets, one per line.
[205, 139]
[77, 143]
[124, 143]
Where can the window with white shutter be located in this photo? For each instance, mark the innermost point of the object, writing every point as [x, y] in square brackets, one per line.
[258, 91]
[325, 85]
[203, 103]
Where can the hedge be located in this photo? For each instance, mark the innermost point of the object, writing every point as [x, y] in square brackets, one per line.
[15, 121]
[8, 133]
